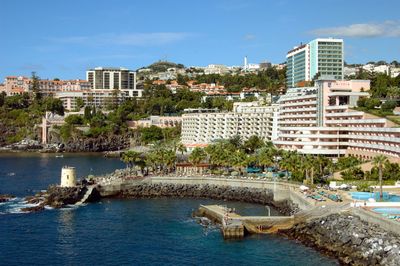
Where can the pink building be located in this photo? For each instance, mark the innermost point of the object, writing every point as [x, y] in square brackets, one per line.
[321, 120]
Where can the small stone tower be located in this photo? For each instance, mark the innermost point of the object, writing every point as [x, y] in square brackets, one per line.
[68, 176]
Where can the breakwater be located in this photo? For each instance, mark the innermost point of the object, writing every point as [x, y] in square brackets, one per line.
[228, 193]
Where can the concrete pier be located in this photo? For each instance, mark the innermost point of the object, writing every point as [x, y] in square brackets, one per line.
[235, 225]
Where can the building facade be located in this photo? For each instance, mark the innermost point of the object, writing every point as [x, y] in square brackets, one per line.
[201, 128]
[322, 120]
[324, 57]
[158, 121]
[113, 79]
[98, 98]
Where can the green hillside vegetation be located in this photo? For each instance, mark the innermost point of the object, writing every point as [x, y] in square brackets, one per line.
[162, 66]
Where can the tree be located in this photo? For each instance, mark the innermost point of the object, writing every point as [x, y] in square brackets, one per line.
[74, 120]
[253, 143]
[379, 162]
[371, 103]
[393, 92]
[151, 134]
[131, 158]
[17, 101]
[54, 105]
[236, 141]
[79, 103]
[197, 156]
[2, 98]
[238, 160]
[35, 87]
[264, 157]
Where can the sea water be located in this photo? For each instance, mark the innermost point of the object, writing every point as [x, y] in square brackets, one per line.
[129, 232]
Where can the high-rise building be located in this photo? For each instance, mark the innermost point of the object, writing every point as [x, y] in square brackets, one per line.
[320, 56]
[109, 78]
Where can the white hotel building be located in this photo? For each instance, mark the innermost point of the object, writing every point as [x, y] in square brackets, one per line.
[321, 120]
[247, 119]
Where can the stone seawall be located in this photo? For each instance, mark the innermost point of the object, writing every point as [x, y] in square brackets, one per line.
[282, 191]
[350, 239]
[244, 194]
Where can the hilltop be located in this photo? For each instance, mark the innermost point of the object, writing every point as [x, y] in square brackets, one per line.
[162, 66]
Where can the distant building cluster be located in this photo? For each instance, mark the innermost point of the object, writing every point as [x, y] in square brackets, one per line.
[211, 90]
[391, 70]
[102, 84]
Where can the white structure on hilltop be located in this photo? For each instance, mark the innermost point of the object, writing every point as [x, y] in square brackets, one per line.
[201, 128]
[321, 120]
[216, 69]
[68, 176]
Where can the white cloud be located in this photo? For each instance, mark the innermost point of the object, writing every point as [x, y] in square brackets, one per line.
[128, 39]
[363, 30]
[249, 37]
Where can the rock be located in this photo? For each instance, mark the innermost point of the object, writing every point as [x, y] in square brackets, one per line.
[37, 208]
[6, 197]
[349, 238]
[388, 248]
[102, 143]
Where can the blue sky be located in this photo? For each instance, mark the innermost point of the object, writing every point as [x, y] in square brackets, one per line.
[63, 38]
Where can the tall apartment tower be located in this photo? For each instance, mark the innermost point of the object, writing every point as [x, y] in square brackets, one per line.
[109, 78]
[323, 56]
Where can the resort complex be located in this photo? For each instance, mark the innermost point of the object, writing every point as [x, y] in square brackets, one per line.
[319, 120]
[322, 120]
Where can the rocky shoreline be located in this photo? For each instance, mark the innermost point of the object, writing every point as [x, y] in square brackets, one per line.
[58, 197]
[106, 143]
[348, 238]
[226, 193]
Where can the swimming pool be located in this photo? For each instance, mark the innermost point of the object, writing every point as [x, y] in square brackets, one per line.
[387, 210]
[375, 195]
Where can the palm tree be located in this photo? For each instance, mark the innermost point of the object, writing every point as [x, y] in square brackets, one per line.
[238, 160]
[253, 143]
[131, 158]
[264, 157]
[169, 159]
[197, 156]
[236, 141]
[310, 164]
[379, 161]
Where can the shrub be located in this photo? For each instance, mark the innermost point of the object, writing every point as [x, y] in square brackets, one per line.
[388, 106]
[364, 187]
[371, 103]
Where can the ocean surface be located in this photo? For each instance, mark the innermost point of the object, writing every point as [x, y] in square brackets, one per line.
[123, 232]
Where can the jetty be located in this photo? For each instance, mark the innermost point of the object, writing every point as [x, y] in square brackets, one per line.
[235, 225]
